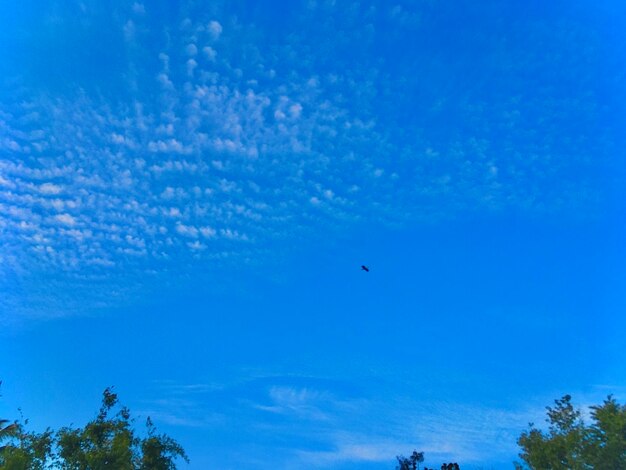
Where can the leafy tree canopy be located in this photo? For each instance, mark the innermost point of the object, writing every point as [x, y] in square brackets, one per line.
[410, 463]
[109, 441]
[571, 444]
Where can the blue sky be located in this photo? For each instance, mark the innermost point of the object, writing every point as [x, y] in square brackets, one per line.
[188, 190]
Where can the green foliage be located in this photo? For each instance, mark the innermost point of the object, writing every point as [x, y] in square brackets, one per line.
[607, 436]
[25, 450]
[570, 444]
[159, 451]
[7, 431]
[109, 441]
[410, 463]
[106, 442]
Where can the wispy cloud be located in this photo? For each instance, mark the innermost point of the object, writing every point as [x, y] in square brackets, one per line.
[321, 425]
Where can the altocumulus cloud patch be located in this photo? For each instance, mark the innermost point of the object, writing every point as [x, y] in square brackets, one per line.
[219, 134]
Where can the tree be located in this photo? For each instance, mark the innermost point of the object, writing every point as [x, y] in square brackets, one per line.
[26, 450]
[570, 444]
[561, 447]
[8, 430]
[108, 441]
[607, 435]
[410, 463]
[159, 451]
[413, 462]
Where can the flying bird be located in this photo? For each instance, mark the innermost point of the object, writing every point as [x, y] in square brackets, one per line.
[365, 268]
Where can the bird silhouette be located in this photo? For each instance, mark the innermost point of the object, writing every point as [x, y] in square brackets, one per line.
[365, 268]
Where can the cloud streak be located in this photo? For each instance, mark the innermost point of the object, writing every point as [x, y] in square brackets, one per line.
[321, 425]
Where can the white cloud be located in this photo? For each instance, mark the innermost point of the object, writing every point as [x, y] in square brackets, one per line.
[139, 8]
[165, 81]
[107, 263]
[165, 60]
[366, 451]
[197, 246]
[224, 147]
[208, 232]
[58, 204]
[358, 430]
[231, 234]
[191, 66]
[10, 144]
[6, 183]
[174, 212]
[65, 219]
[209, 53]
[50, 189]
[187, 230]
[129, 31]
[168, 193]
[170, 145]
[215, 29]
[295, 110]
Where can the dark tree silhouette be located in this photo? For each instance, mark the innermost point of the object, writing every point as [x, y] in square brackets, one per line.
[413, 463]
[410, 463]
[446, 466]
[7, 430]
